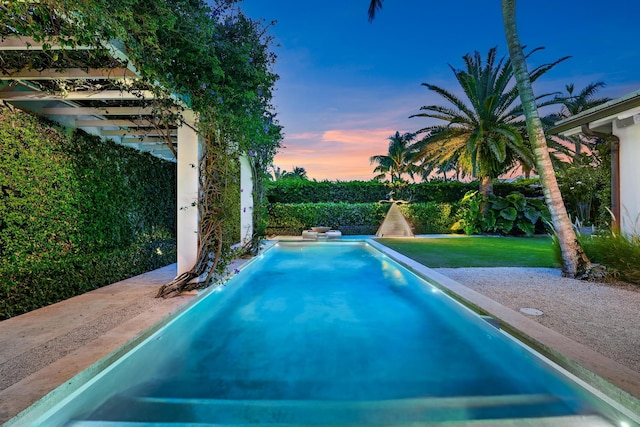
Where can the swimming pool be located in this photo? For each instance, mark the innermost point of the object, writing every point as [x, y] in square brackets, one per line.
[328, 333]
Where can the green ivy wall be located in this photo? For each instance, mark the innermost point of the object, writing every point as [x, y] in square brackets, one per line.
[76, 213]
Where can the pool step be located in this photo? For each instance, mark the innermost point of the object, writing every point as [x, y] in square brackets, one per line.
[570, 421]
[195, 411]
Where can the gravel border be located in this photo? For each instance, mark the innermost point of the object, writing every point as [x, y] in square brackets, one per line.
[602, 316]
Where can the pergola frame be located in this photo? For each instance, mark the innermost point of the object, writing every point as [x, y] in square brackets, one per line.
[125, 118]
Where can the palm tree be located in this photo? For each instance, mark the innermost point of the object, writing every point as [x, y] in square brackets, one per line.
[300, 172]
[482, 134]
[428, 168]
[398, 161]
[278, 173]
[575, 104]
[297, 173]
[575, 262]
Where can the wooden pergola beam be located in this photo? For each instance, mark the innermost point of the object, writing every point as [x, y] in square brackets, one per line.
[28, 43]
[106, 111]
[137, 131]
[70, 73]
[145, 141]
[108, 123]
[88, 95]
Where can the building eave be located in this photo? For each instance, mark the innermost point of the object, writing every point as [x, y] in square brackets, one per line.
[605, 112]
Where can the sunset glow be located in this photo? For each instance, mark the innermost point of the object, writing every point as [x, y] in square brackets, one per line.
[346, 85]
[336, 154]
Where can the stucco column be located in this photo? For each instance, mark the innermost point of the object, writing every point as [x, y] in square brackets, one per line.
[246, 200]
[628, 130]
[187, 193]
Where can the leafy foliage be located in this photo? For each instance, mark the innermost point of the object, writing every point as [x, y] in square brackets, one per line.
[575, 103]
[299, 191]
[399, 159]
[586, 189]
[619, 253]
[511, 215]
[430, 217]
[76, 213]
[213, 58]
[482, 134]
[350, 218]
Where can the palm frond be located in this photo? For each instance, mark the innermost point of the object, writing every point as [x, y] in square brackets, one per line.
[486, 131]
[451, 98]
[373, 8]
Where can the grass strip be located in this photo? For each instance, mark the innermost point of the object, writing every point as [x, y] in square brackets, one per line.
[476, 251]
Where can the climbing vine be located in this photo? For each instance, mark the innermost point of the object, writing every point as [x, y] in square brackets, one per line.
[213, 57]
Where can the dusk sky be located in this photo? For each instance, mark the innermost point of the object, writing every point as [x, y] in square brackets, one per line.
[346, 85]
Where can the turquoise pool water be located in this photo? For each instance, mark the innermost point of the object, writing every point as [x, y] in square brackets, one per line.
[326, 333]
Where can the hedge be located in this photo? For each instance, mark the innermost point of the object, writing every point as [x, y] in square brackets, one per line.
[76, 213]
[431, 217]
[304, 191]
[356, 218]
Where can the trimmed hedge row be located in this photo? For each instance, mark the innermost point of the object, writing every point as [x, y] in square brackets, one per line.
[76, 213]
[303, 191]
[431, 217]
[356, 218]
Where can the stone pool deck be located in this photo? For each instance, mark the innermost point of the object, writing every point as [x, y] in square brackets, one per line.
[46, 348]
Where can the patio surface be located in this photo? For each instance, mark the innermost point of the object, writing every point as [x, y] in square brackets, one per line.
[45, 348]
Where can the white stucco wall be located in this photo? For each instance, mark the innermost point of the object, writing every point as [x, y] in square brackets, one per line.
[246, 200]
[629, 134]
[189, 152]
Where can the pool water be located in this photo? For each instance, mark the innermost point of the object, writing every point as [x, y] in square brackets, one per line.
[325, 333]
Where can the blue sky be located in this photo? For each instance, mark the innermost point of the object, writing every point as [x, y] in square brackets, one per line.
[346, 84]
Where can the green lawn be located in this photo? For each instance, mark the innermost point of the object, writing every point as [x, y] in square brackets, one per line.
[479, 251]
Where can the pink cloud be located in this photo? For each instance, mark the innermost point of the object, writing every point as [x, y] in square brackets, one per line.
[304, 135]
[357, 136]
[336, 154]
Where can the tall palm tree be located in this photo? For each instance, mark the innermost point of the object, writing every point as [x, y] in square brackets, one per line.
[484, 132]
[398, 161]
[575, 262]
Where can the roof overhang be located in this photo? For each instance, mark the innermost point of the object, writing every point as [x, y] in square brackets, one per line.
[600, 118]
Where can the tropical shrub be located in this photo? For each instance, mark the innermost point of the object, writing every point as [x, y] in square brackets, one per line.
[619, 253]
[76, 213]
[511, 215]
[586, 189]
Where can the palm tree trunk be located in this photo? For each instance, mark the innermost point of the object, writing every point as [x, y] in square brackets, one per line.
[486, 186]
[574, 261]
